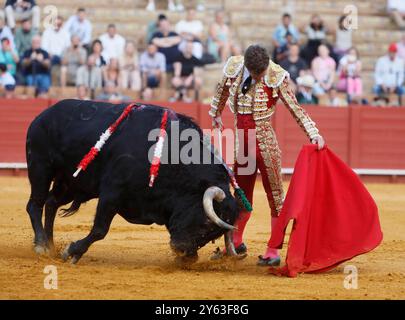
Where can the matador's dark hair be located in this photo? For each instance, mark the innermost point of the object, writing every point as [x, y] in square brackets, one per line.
[257, 59]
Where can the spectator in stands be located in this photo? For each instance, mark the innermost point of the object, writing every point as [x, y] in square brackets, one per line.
[191, 29]
[37, 65]
[111, 94]
[279, 35]
[7, 82]
[8, 56]
[220, 39]
[389, 74]
[19, 10]
[97, 51]
[113, 43]
[153, 69]
[82, 93]
[334, 100]
[281, 52]
[316, 33]
[305, 93]
[129, 64]
[350, 76]
[55, 40]
[112, 72]
[173, 5]
[324, 70]
[80, 26]
[186, 75]
[89, 75]
[5, 32]
[294, 64]
[167, 42]
[153, 27]
[343, 37]
[23, 36]
[72, 58]
[396, 9]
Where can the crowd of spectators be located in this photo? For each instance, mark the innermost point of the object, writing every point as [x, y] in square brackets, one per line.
[320, 58]
[317, 67]
[66, 54]
[322, 68]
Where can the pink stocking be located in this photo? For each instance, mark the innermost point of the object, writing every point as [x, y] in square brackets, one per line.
[240, 224]
[271, 252]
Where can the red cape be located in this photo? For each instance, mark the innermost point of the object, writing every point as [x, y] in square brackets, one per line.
[335, 217]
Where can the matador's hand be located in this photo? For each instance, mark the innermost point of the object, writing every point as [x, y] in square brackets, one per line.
[217, 123]
[319, 141]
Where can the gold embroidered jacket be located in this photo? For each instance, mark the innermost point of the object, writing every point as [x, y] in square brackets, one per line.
[262, 97]
[260, 101]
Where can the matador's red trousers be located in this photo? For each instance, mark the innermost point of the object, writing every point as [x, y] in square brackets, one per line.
[247, 182]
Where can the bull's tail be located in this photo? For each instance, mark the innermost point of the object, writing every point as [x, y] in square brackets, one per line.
[74, 207]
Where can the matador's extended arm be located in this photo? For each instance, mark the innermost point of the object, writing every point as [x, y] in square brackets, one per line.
[300, 115]
[221, 96]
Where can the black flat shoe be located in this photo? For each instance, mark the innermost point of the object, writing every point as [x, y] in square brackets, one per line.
[269, 262]
[241, 249]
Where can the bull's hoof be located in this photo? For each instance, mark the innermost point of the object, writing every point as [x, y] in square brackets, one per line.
[66, 254]
[41, 250]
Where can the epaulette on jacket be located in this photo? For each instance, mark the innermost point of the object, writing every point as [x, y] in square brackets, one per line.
[233, 66]
[274, 77]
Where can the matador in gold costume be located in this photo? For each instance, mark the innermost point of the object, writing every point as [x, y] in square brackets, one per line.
[253, 84]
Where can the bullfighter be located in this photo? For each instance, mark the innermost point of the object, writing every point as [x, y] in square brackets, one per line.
[253, 84]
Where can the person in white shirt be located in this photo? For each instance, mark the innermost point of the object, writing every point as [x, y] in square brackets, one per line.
[79, 25]
[389, 74]
[7, 81]
[191, 29]
[113, 43]
[55, 40]
[396, 9]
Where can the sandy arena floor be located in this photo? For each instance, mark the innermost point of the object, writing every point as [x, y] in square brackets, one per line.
[134, 262]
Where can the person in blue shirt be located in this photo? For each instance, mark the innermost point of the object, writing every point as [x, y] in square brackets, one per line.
[8, 56]
[79, 25]
[286, 26]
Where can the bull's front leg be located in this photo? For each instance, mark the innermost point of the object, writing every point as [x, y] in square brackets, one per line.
[102, 221]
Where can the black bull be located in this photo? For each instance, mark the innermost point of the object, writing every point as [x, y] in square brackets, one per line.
[59, 138]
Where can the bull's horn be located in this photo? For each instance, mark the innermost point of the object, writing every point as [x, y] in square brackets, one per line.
[209, 195]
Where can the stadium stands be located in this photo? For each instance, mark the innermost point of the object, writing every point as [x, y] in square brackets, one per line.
[251, 21]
